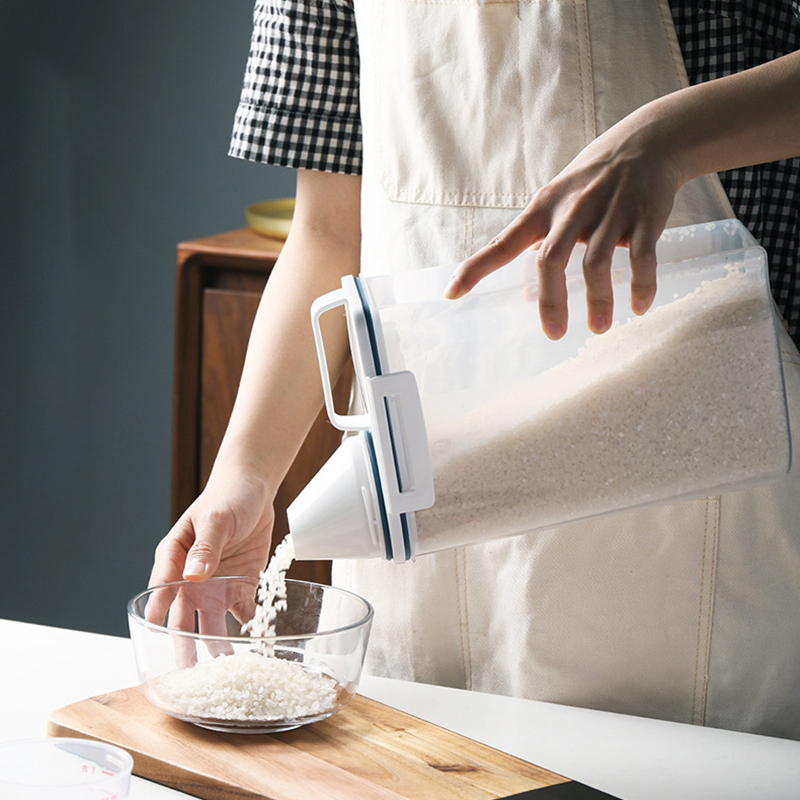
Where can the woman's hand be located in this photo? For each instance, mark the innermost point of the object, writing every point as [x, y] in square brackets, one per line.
[618, 191]
[226, 531]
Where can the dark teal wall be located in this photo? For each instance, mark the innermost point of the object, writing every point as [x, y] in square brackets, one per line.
[114, 124]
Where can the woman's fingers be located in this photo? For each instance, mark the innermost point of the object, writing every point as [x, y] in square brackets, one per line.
[525, 230]
[597, 276]
[171, 552]
[642, 249]
[182, 618]
[244, 610]
[211, 622]
[551, 264]
[158, 603]
[168, 568]
[554, 252]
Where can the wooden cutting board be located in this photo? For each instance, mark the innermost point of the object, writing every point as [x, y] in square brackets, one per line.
[368, 751]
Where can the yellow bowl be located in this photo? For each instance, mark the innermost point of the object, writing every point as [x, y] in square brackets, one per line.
[271, 218]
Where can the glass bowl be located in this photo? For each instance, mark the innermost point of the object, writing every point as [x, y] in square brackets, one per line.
[196, 664]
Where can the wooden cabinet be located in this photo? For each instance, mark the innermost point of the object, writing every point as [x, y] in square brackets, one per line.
[219, 284]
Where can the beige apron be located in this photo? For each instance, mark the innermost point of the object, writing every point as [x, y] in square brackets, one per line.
[689, 612]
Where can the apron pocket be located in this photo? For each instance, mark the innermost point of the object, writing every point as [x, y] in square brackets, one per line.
[490, 128]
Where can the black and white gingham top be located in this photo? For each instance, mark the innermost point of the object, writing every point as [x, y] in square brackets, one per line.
[299, 104]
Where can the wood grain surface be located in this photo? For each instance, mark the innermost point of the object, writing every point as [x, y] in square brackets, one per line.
[368, 751]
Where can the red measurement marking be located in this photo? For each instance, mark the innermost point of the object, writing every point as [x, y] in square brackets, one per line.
[106, 772]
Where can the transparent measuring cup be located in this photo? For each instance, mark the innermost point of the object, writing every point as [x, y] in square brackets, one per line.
[63, 769]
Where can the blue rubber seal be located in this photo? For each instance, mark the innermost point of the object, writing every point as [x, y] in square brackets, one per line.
[387, 539]
[376, 357]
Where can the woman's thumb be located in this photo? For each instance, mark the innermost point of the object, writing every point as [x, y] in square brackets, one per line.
[200, 563]
[203, 556]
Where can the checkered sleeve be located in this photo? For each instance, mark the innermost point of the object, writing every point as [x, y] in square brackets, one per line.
[299, 103]
[721, 37]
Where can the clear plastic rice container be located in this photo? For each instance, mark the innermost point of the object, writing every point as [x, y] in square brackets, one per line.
[475, 426]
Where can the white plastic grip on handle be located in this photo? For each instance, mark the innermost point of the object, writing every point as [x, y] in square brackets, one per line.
[401, 441]
[327, 302]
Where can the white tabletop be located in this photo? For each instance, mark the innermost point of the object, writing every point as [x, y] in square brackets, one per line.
[629, 757]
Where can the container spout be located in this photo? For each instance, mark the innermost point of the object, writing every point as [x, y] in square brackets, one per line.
[335, 516]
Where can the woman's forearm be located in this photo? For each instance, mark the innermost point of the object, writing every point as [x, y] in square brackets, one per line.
[280, 392]
[748, 118]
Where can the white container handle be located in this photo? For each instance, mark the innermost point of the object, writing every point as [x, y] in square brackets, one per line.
[344, 422]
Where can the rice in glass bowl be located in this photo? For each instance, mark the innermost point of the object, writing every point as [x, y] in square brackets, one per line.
[196, 663]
